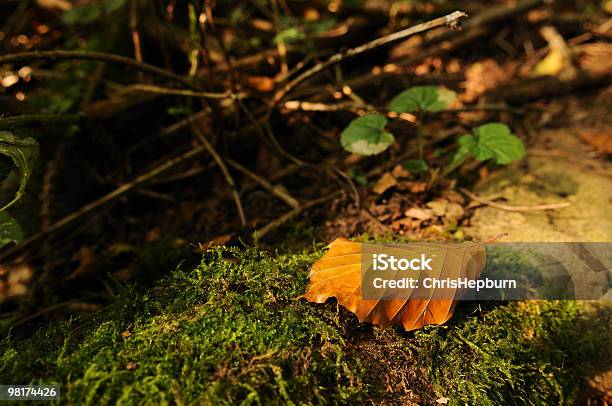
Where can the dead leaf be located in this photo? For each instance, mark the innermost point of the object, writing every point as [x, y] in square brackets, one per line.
[386, 182]
[338, 274]
[61, 5]
[482, 76]
[595, 58]
[217, 241]
[438, 207]
[399, 172]
[442, 400]
[600, 139]
[559, 60]
[454, 212]
[131, 366]
[418, 213]
[413, 187]
[264, 84]
[454, 197]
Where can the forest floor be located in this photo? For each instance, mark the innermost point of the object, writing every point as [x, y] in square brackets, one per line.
[140, 276]
[231, 330]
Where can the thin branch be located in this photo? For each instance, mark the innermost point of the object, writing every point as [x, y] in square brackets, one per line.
[95, 56]
[226, 174]
[185, 92]
[506, 207]
[258, 234]
[276, 190]
[8, 123]
[101, 202]
[451, 20]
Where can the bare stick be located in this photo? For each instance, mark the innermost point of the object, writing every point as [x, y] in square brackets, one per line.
[226, 174]
[184, 92]
[7, 123]
[276, 190]
[451, 20]
[99, 203]
[95, 56]
[506, 207]
[258, 234]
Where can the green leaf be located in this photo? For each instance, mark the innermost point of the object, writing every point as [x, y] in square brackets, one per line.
[113, 5]
[358, 176]
[366, 135]
[24, 153]
[82, 15]
[289, 36]
[422, 98]
[491, 141]
[10, 230]
[416, 166]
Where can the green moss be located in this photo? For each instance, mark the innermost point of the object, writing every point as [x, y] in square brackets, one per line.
[533, 352]
[231, 331]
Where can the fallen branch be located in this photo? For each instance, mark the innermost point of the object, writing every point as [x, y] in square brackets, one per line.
[259, 234]
[506, 207]
[96, 56]
[451, 20]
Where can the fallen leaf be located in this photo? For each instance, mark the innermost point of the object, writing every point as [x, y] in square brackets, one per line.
[442, 400]
[438, 207]
[399, 172]
[418, 213]
[61, 5]
[338, 274]
[131, 366]
[482, 76]
[454, 212]
[217, 241]
[386, 182]
[600, 139]
[413, 187]
[454, 197]
[262, 84]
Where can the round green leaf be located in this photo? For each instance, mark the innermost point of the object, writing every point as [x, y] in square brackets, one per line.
[416, 166]
[422, 98]
[492, 141]
[366, 135]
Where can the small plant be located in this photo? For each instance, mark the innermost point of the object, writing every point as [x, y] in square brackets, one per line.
[20, 154]
[367, 135]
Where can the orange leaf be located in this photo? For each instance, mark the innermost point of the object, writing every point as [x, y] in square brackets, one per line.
[339, 272]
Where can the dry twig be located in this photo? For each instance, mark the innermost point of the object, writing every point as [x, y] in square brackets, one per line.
[507, 207]
[451, 20]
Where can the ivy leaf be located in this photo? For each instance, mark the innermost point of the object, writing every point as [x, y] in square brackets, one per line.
[491, 141]
[10, 230]
[416, 166]
[422, 98]
[24, 153]
[366, 135]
